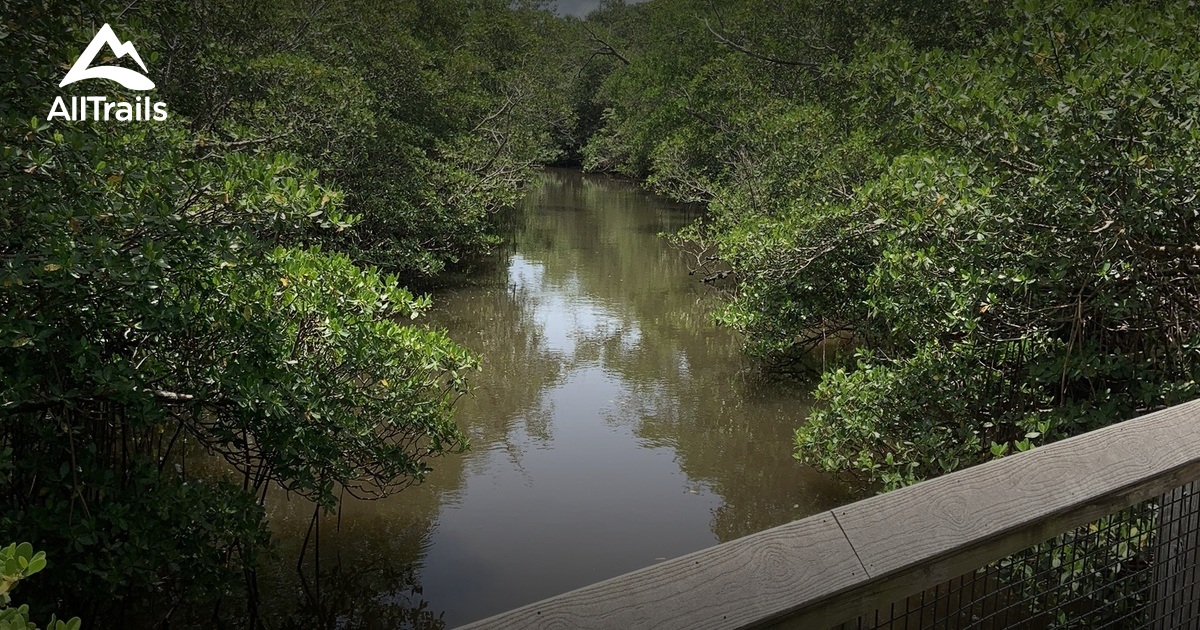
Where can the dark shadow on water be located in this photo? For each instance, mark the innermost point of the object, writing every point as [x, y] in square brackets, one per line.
[353, 596]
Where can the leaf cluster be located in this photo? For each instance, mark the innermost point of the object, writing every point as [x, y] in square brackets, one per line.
[17, 562]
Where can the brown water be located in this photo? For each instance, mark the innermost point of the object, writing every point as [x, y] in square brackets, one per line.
[613, 426]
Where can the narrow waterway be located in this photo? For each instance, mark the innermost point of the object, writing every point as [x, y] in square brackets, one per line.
[613, 426]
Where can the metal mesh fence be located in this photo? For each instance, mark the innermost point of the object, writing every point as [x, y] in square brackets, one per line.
[1137, 568]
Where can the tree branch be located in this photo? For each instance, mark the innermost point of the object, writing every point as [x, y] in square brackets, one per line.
[606, 48]
[757, 55]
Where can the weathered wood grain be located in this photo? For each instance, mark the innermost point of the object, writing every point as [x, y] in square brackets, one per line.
[836, 565]
[737, 584]
[1080, 478]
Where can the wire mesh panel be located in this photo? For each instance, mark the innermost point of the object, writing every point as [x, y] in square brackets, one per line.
[1136, 568]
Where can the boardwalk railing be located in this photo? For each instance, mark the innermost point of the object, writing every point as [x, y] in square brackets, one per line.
[1099, 530]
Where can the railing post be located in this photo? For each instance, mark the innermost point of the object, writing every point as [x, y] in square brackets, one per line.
[1176, 589]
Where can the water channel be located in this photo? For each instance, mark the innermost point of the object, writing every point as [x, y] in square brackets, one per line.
[613, 426]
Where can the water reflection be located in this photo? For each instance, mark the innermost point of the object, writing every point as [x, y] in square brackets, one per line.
[613, 426]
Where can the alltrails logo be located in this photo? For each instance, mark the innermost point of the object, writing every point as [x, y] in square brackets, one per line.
[99, 107]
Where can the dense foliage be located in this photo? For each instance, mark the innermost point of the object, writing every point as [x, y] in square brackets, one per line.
[982, 215]
[428, 115]
[995, 207]
[226, 280]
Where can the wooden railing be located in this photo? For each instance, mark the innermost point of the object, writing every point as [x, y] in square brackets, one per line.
[837, 565]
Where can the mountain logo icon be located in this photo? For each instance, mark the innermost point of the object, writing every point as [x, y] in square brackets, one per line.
[129, 78]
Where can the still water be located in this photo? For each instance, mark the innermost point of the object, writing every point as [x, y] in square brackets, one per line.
[613, 426]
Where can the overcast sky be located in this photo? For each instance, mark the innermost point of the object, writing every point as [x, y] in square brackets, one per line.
[578, 8]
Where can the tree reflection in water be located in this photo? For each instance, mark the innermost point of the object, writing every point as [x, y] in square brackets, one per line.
[372, 596]
[613, 425]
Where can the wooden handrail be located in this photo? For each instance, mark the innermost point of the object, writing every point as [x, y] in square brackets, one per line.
[833, 566]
